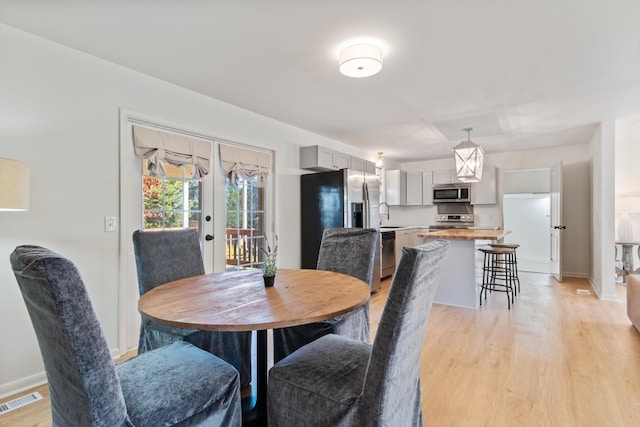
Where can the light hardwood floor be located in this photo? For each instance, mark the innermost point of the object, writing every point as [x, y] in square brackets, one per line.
[557, 358]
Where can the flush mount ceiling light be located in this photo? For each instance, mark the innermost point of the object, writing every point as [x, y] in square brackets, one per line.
[379, 162]
[360, 60]
[469, 157]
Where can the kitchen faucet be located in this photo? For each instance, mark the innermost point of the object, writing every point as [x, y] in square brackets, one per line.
[387, 214]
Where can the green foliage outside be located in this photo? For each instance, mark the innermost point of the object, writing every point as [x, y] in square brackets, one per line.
[163, 202]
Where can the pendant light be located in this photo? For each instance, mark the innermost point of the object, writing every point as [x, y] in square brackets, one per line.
[469, 157]
[379, 162]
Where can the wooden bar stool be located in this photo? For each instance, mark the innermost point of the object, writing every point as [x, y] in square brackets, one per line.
[497, 275]
[512, 259]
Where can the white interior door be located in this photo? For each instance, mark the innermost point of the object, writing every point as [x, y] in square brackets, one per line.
[555, 264]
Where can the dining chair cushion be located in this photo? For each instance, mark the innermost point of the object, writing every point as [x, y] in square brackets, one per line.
[167, 255]
[86, 388]
[339, 381]
[348, 251]
[155, 399]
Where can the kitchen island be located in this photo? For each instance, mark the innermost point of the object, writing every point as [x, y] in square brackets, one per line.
[458, 284]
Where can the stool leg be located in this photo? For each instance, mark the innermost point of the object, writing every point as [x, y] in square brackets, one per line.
[515, 267]
[484, 278]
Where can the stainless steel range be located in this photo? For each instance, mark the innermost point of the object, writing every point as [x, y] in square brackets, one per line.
[453, 215]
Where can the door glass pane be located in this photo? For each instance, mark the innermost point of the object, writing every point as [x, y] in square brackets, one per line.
[245, 224]
[172, 201]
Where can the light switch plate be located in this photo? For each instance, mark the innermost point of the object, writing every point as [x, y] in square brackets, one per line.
[110, 223]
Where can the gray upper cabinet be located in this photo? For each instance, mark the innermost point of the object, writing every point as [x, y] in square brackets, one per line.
[369, 167]
[485, 192]
[361, 165]
[316, 157]
[320, 158]
[444, 176]
[403, 188]
[427, 188]
[357, 164]
[396, 187]
[414, 188]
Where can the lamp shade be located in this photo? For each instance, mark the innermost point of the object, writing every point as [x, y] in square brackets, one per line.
[469, 158]
[14, 185]
[360, 60]
[628, 204]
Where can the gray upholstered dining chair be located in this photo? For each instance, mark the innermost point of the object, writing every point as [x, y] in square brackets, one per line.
[167, 255]
[178, 384]
[337, 381]
[349, 251]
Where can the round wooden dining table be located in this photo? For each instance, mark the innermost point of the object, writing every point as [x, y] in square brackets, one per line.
[239, 301]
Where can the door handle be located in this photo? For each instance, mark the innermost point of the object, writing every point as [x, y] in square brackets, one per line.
[208, 237]
[560, 227]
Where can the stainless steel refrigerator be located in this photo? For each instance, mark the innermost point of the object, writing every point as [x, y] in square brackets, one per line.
[335, 199]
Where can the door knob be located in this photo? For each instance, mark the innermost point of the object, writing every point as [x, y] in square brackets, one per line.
[560, 227]
[208, 237]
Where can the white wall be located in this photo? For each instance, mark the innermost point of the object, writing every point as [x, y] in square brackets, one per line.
[59, 111]
[602, 147]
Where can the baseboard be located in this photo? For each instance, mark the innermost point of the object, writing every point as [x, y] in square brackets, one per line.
[574, 274]
[26, 383]
[533, 265]
[35, 380]
[598, 291]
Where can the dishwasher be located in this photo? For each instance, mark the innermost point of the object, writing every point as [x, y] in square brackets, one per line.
[387, 253]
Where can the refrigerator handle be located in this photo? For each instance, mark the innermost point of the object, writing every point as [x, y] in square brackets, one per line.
[367, 207]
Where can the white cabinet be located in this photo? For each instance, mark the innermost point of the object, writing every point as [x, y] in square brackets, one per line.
[427, 188]
[316, 157]
[444, 176]
[414, 188]
[320, 158]
[395, 187]
[362, 165]
[357, 164]
[408, 238]
[369, 167]
[403, 188]
[485, 192]
[403, 238]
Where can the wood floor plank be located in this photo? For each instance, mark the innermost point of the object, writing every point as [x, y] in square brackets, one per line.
[556, 358]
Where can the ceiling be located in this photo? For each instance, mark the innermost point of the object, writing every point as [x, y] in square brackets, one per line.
[524, 74]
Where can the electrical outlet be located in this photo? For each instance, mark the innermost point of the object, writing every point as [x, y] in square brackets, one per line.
[110, 223]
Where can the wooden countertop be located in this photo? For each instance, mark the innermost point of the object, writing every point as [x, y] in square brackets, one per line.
[464, 234]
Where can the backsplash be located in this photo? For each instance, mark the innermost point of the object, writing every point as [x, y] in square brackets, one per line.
[426, 215]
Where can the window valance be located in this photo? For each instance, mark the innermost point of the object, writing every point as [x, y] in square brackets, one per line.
[246, 163]
[158, 147]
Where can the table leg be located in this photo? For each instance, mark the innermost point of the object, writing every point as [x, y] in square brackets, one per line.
[627, 260]
[256, 415]
[261, 354]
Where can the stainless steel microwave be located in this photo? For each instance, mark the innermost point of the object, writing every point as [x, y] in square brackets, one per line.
[452, 193]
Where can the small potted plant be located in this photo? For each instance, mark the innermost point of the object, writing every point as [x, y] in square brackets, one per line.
[269, 266]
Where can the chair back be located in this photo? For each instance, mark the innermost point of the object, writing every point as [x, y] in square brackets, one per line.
[349, 251]
[392, 380]
[83, 384]
[166, 255]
